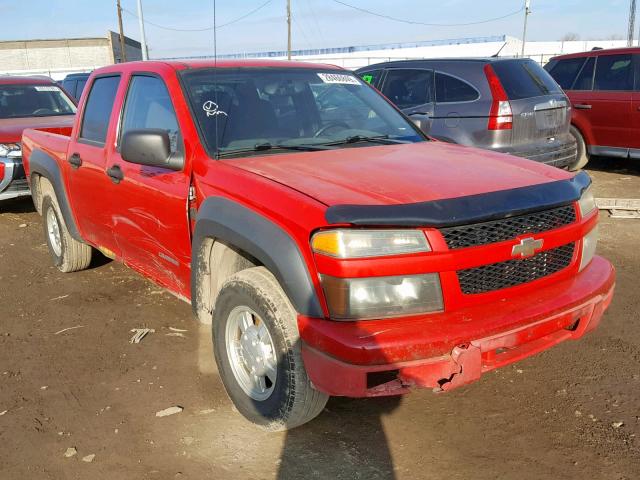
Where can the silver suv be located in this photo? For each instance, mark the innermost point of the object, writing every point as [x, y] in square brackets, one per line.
[507, 105]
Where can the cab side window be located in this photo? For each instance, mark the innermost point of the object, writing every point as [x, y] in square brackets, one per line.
[372, 77]
[148, 105]
[409, 87]
[450, 89]
[614, 72]
[585, 77]
[95, 120]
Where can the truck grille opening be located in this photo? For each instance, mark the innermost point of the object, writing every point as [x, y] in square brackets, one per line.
[510, 273]
[508, 228]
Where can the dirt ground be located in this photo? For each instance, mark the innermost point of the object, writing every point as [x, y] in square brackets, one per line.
[571, 412]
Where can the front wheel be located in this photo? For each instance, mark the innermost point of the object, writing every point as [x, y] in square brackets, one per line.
[582, 157]
[257, 349]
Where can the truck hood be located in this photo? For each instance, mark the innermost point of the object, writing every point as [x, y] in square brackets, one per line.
[11, 128]
[398, 174]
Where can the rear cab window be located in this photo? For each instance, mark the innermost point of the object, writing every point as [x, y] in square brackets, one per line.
[97, 112]
[408, 88]
[524, 79]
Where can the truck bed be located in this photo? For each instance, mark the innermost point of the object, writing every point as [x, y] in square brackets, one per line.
[55, 144]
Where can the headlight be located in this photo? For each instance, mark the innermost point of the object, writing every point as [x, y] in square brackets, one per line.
[587, 203]
[380, 297]
[10, 150]
[351, 243]
[589, 243]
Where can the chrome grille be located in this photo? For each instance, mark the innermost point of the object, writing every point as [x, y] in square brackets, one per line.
[510, 273]
[508, 228]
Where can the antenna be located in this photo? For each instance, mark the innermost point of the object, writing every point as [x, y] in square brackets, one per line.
[632, 20]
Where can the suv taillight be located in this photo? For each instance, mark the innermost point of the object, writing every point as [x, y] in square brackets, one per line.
[500, 116]
[1, 171]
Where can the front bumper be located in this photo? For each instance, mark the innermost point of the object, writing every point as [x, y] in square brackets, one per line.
[14, 182]
[450, 349]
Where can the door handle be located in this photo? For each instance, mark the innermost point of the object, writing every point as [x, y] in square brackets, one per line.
[115, 174]
[582, 106]
[75, 160]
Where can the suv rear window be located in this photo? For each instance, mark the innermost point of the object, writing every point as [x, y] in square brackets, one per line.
[524, 79]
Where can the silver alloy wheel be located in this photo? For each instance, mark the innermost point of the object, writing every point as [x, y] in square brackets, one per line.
[251, 353]
[53, 229]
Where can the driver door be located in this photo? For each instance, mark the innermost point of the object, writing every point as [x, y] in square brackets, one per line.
[149, 204]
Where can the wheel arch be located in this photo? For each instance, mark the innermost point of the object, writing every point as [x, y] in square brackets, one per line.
[43, 166]
[228, 235]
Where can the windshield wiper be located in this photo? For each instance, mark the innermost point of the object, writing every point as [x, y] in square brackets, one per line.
[382, 139]
[261, 147]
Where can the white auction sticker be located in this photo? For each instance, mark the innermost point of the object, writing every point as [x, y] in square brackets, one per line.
[339, 78]
[41, 88]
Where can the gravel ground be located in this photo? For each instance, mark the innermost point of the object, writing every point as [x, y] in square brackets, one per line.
[571, 412]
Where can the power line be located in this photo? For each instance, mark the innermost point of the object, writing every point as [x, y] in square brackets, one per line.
[412, 22]
[204, 29]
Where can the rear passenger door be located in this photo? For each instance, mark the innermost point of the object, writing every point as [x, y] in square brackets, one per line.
[149, 204]
[634, 152]
[87, 182]
[607, 108]
[411, 90]
[457, 115]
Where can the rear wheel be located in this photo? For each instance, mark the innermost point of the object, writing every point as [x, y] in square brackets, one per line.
[68, 254]
[582, 157]
[257, 349]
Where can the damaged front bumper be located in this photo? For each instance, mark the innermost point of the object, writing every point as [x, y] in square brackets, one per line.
[347, 359]
[13, 182]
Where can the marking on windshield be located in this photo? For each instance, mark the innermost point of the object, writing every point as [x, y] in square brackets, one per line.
[212, 109]
[46, 89]
[339, 78]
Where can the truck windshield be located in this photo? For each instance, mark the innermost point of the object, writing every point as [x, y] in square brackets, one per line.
[247, 110]
[34, 101]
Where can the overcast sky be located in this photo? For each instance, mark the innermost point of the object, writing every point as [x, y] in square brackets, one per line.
[317, 23]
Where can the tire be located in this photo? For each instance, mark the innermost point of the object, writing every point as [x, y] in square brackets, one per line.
[582, 157]
[289, 400]
[68, 254]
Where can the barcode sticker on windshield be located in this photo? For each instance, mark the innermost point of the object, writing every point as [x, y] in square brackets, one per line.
[339, 78]
[40, 88]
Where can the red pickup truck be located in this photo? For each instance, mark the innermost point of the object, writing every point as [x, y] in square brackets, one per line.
[335, 248]
[27, 102]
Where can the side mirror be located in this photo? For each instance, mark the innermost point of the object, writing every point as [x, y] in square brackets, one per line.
[150, 147]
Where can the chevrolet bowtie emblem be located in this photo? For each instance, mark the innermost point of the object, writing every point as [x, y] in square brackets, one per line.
[527, 247]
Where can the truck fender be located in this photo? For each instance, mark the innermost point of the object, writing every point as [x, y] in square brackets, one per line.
[43, 164]
[229, 222]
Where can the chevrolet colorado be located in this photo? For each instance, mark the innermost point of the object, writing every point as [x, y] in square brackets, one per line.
[335, 249]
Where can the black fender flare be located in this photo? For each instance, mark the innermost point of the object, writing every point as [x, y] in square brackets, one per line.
[44, 165]
[236, 225]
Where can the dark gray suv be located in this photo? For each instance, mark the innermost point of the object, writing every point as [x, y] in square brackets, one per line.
[508, 105]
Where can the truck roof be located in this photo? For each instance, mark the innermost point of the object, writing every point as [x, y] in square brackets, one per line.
[32, 80]
[210, 63]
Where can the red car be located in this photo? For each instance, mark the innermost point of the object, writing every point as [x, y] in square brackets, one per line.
[604, 89]
[27, 102]
[336, 250]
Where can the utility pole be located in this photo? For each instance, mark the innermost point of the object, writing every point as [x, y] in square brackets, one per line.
[527, 12]
[632, 21]
[143, 39]
[123, 50]
[289, 29]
